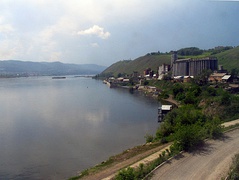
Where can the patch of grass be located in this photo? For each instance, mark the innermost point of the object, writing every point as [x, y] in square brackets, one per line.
[127, 154]
[142, 172]
[139, 64]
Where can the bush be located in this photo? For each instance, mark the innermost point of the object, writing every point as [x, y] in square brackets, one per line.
[225, 99]
[163, 95]
[214, 128]
[189, 136]
[211, 91]
[234, 174]
[126, 174]
[149, 138]
[177, 89]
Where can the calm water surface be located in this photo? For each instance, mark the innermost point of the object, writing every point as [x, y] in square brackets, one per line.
[52, 129]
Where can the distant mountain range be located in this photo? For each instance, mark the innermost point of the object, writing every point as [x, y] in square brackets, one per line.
[27, 68]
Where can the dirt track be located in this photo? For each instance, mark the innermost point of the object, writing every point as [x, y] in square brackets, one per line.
[211, 162]
[108, 173]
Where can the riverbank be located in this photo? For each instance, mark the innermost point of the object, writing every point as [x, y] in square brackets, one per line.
[191, 96]
[110, 167]
[132, 158]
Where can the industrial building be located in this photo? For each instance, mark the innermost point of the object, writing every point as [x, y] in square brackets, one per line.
[163, 70]
[192, 67]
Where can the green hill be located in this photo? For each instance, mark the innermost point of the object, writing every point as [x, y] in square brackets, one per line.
[139, 64]
[229, 58]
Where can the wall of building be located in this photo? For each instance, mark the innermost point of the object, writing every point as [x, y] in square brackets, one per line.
[193, 67]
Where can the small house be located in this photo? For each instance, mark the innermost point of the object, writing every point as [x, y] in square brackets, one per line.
[163, 110]
[226, 78]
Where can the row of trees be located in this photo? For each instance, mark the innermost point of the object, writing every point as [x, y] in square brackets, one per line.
[194, 51]
[191, 51]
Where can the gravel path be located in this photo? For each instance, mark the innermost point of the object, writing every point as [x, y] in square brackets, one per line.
[110, 172]
[204, 153]
[230, 123]
[211, 162]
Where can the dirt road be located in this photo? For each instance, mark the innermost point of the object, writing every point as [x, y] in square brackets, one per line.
[210, 162]
[110, 172]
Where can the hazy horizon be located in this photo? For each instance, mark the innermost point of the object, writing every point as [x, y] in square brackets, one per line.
[104, 32]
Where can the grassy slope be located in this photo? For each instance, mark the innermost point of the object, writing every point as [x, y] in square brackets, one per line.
[139, 64]
[229, 59]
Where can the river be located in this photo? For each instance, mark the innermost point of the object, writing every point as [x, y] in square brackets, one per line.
[54, 128]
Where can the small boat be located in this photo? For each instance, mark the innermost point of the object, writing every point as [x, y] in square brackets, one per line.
[59, 77]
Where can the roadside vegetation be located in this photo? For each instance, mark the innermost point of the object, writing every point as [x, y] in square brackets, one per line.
[144, 169]
[127, 154]
[234, 173]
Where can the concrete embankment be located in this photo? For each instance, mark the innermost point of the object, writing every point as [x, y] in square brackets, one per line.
[231, 123]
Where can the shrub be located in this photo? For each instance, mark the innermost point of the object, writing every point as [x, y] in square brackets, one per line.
[188, 136]
[149, 138]
[234, 174]
[126, 174]
[225, 99]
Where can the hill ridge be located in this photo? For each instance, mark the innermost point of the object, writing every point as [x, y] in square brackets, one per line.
[227, 56]
[18, 67]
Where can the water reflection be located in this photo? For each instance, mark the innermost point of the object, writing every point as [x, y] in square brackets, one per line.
[50, 129]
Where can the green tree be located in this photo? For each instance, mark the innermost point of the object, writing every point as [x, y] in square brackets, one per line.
[177, 89]
[225, 99]
[202, 79]
[190, 98]
[234, 72]
[187, 137]
[211, 91]
[119, 75]
[213, 128]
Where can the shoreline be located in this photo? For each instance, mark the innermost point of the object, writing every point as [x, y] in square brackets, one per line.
[110, 170]
[127, 161]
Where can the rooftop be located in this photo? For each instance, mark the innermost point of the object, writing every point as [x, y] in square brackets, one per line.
[167, 107]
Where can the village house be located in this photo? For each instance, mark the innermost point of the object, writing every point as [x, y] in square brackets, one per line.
[216, 77]
[227, 78]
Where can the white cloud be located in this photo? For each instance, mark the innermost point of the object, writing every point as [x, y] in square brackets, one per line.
[46, 30]
[9, 49]
[55, 56]
[5, 27]
[94, 45]
[95, 30]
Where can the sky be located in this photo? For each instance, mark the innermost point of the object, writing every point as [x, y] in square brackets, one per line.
[106, 31]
